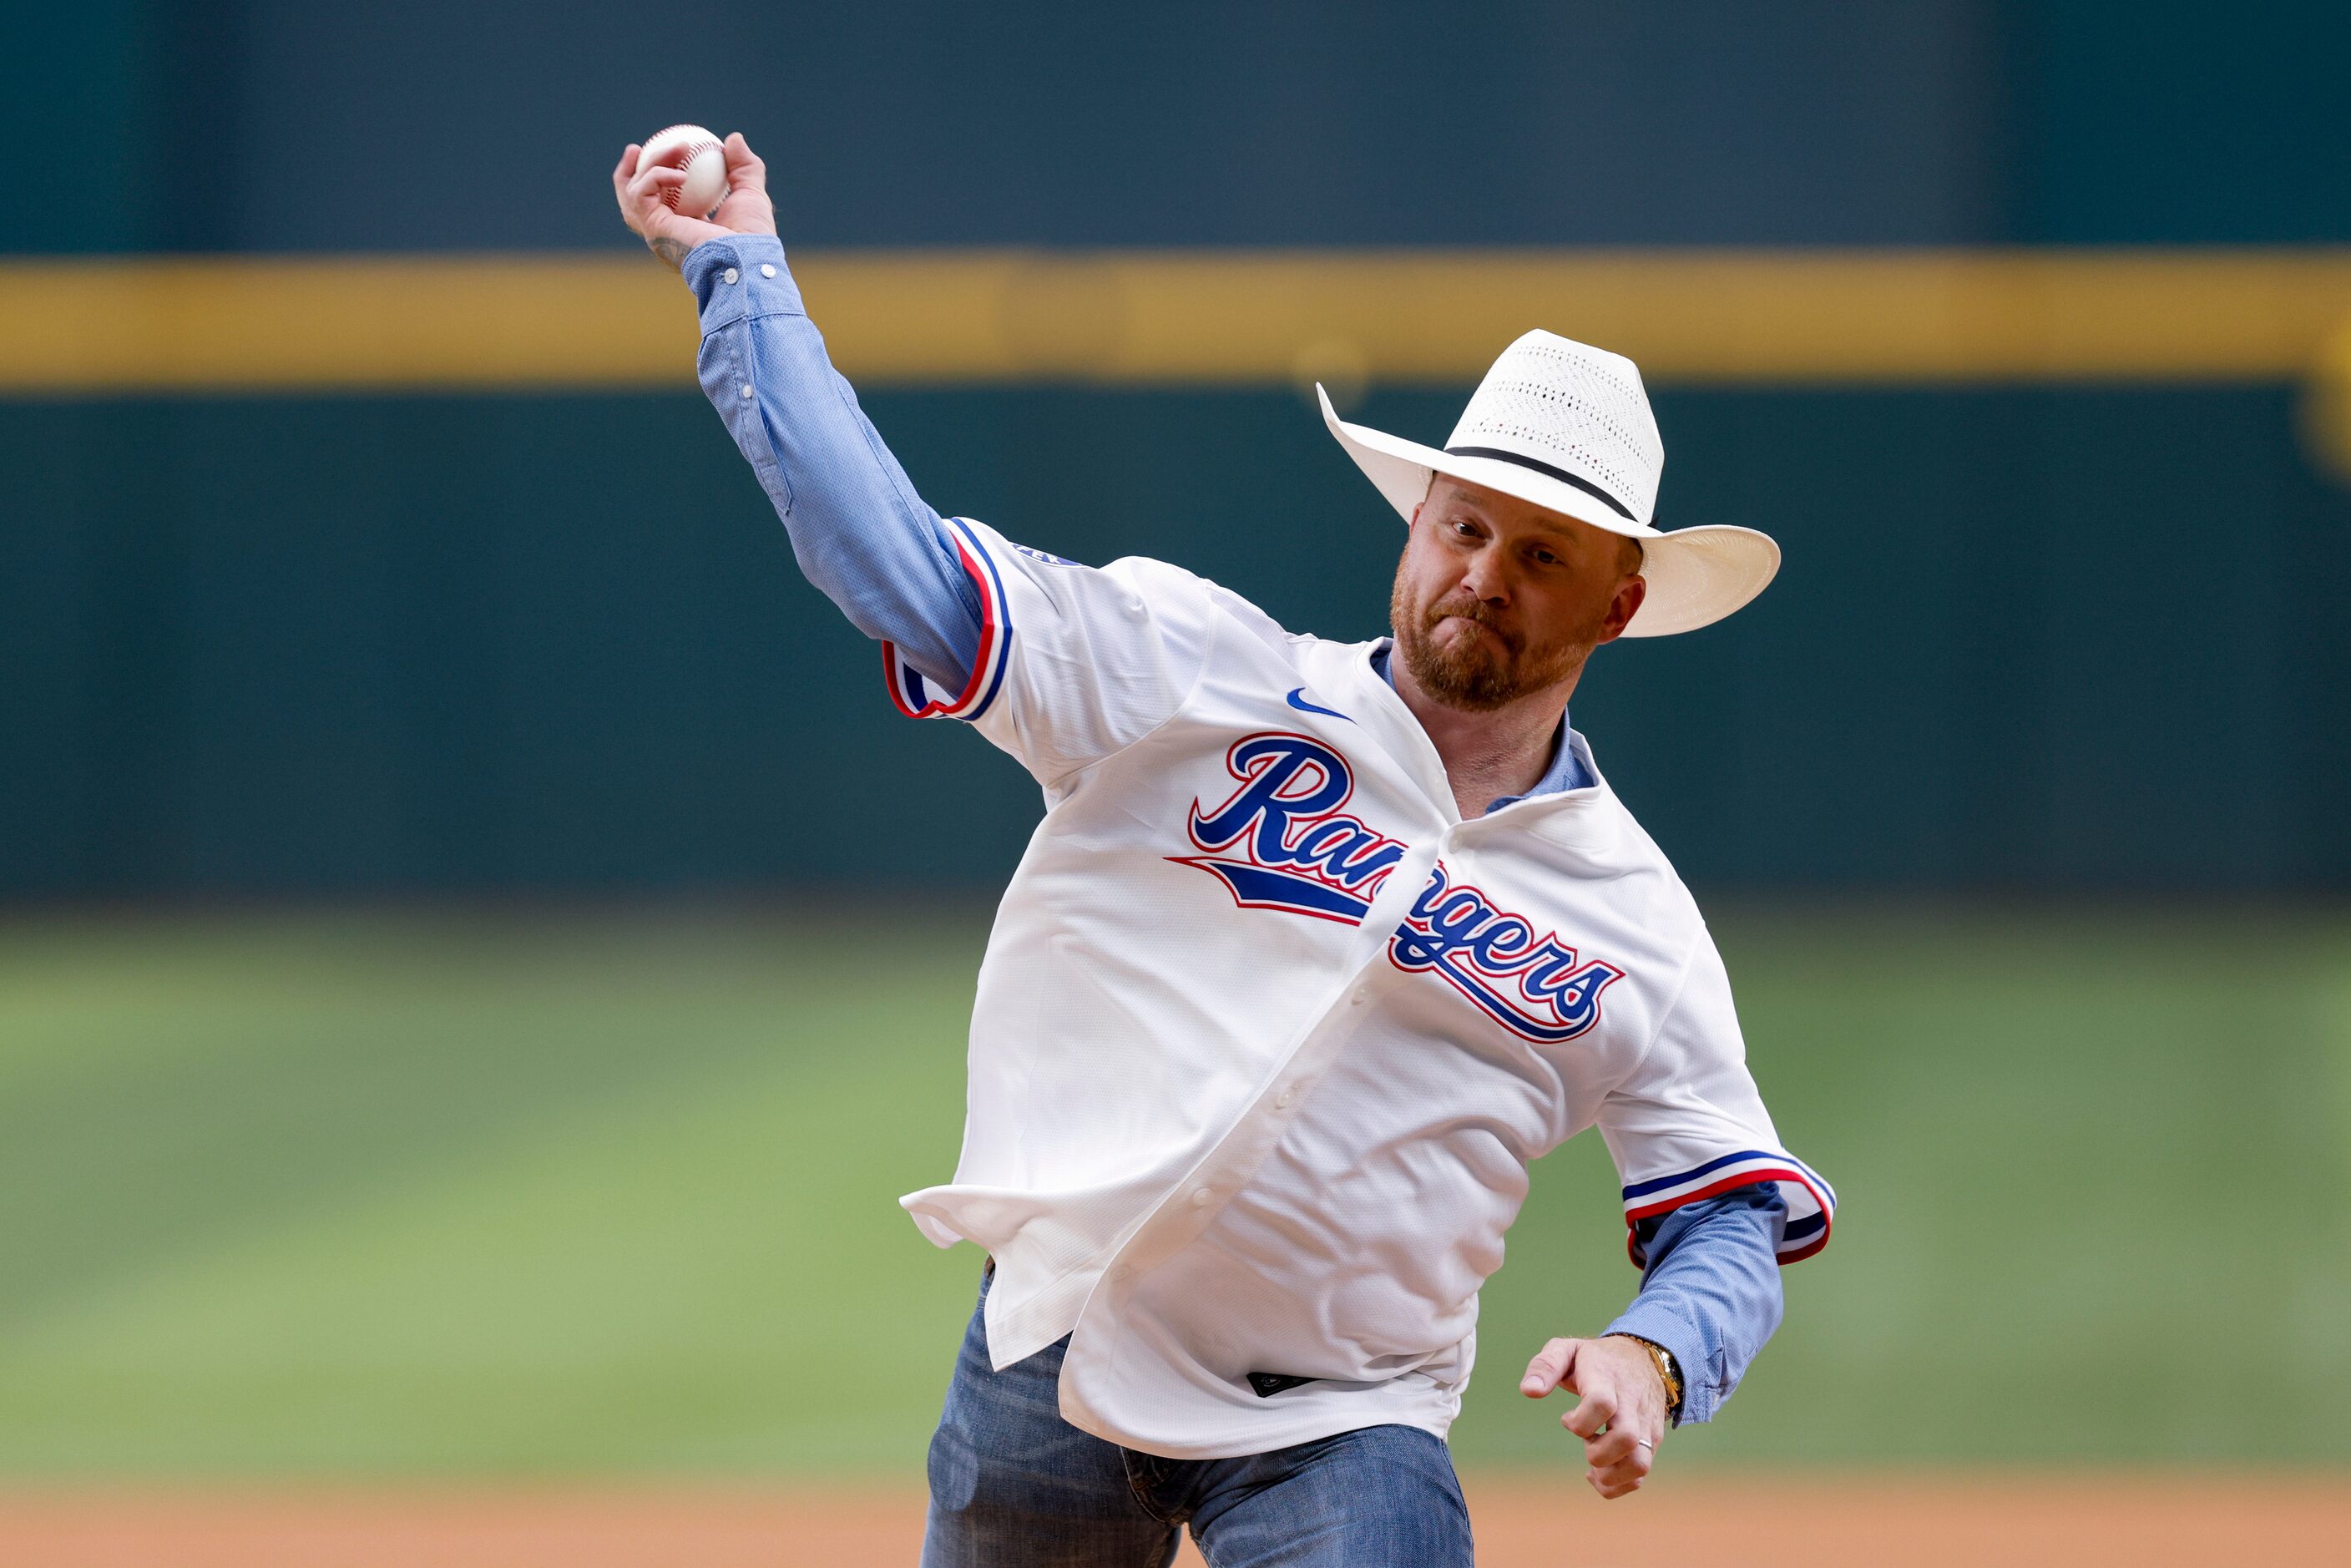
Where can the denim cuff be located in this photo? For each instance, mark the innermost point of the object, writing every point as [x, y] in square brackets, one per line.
[1662, 1326]
[740, 276]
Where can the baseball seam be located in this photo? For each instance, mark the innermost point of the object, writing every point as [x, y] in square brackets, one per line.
[683, 159]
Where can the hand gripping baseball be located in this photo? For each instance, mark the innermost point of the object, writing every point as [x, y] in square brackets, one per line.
[745, 209]
[1620, 1412]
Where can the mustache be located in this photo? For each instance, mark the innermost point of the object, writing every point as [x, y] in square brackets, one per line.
[1468, 609]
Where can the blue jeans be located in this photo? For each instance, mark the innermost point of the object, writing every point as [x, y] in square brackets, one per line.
[1015, 1486]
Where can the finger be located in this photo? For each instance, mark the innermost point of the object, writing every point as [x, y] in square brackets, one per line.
[1595, 1411]
[1636, 1467]
[1612, 1484]
[742, 165]
[1549, 1365]
[1613, 1446]
[624, 170]
[647, 187]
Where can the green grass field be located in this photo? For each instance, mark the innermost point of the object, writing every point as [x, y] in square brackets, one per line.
[403, 1195]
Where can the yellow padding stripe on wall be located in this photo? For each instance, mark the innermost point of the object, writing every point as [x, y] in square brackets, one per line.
[1180, 317]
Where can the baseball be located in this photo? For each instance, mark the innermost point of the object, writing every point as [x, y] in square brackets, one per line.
[696, 150]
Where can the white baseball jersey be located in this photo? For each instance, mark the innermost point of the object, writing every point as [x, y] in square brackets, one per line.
[1266, 1034]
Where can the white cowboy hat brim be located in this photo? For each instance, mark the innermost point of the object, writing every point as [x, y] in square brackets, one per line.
[1694, 576]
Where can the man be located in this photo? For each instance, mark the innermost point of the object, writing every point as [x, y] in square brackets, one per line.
[1316, 947]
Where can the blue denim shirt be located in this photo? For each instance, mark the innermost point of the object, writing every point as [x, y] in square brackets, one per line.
[1710, 1289]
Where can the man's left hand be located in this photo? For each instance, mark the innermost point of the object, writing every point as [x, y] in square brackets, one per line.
[1620, 1412]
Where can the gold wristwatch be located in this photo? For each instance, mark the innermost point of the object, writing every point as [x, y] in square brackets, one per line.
[1669, 1369]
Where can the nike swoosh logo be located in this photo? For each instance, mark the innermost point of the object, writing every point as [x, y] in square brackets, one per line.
[1297, 699]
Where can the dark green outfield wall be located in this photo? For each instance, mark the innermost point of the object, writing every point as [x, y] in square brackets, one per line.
[286, 125]
[2062, 639]
[2047, 639]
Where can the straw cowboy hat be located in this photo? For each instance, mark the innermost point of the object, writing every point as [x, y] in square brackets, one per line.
[1567, 426]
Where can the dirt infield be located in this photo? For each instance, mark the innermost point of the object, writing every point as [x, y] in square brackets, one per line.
[2185, 1519]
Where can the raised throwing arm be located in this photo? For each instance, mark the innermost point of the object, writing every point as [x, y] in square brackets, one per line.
[862, 535]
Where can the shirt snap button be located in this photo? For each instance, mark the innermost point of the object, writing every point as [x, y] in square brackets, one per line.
[1201, 1197]
[731, 274]
[747, 389]
[767, 269]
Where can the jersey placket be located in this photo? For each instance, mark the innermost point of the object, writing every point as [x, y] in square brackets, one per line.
[1192, 1203]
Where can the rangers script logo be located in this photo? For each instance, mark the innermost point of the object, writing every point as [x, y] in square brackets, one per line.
[1533, 987]
[1282, 840]
[1279, 841]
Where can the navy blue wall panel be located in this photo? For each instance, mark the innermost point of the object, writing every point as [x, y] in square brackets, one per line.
[2179, 122]
[435, 124]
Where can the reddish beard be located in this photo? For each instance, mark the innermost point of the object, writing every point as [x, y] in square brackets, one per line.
[1477, 673]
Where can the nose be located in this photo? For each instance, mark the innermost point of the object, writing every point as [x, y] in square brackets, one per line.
[1483, 576]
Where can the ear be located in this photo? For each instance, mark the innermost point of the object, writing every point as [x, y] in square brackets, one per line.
[1622, 607]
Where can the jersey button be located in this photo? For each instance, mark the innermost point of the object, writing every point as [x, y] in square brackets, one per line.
[1201, 1197]
[1281, 1101]
[1363, 994]
[1120, 1272]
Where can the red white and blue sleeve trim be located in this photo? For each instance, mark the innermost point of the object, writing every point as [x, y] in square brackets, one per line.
[1812, 1202]
[911, 692]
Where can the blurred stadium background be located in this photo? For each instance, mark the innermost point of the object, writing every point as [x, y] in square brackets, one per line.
[480, 957]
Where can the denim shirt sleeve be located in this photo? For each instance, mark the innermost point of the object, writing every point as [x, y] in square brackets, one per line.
[861, 534]
[1711, 1291]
